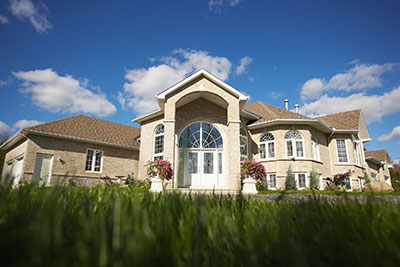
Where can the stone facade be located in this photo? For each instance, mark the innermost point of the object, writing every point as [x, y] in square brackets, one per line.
[69, 158]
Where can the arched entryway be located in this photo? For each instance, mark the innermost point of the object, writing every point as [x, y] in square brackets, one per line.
[201, 156]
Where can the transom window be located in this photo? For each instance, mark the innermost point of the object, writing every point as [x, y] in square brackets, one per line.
[200, 135]
[94, 160]
[267, 146]
[294, 145]
[314, 147]
[342, 150]
[159, 142]
[243, 144]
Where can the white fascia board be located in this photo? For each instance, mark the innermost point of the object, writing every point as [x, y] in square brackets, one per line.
[12, 140]
[345, 131]
[61, 136]
[366, 140]
[251, 115]
[284, 121]
[147, 116]
[210, 76]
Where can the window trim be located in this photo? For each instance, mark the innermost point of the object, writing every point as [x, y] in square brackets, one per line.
[316, 150]
[158, 155]
[269, 180]
[296, 176]
[337, 151]
[94, 160]
[247, 143]
[293, 141]
[266, 143]
[350, 182]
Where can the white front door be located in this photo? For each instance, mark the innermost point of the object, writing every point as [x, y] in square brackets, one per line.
[193, 172]
[17, 170]
[209, 172]
[42, 172]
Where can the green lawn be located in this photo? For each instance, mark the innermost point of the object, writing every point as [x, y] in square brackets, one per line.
[98, 226]
[351, 193]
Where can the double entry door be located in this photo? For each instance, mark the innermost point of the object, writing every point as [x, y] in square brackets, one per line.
[42, 171]
[203, 169]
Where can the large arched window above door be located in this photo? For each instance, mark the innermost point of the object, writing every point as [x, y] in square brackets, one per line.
[158, 142]
[200, 135]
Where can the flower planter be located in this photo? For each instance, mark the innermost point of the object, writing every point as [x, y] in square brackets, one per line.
[249, 186]
[156, 185]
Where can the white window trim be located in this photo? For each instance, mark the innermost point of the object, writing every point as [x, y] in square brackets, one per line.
[94, 160]
[16, 180]
[337, 151]
[247, 144]
[158, 155]
[317, 154]
[267, 157]
[296, 176]
[269, 181]
[293, 141]
[351, 184]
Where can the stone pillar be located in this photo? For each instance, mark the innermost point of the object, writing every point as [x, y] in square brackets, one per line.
[233, 148]
[169, 138]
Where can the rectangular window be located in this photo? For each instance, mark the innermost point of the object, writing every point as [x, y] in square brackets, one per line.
[263, 153]
[356, 153]
[94, 160]
[271, 150]
[272, 180]
[220, 162]
[208, 163]
[299, 149]
[7, 173]
[347, 182]
[301, 180]
[289, 148]
[341, 150]
[159, 144]
[374, 177]
[192, 162]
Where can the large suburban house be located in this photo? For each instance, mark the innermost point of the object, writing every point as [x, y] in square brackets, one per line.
[205, 128]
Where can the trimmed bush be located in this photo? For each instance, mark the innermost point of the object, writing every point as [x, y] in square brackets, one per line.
[290, 182]
[314, 180]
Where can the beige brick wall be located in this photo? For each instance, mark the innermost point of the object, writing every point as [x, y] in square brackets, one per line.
[116, 161]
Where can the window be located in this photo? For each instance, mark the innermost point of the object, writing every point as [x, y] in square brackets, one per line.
[374, 177]
[17, 170]
[94, 160]
[267, 146]
[243, 144]
[294, 145]
[314, 147]
[347, 182]
[341, 150]
[387, 179]
[271, 179]
[159, 142]
[7, 173]
[301, 180]
[357, 151]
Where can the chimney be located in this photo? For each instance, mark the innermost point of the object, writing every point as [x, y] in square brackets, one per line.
[296, 108]
[286, 104]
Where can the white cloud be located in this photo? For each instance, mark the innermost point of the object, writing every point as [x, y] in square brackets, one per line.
[56, 93]
[395, 134]
[243, 64]
[4, 128]
[396, 162]
[3, 19]
[25, 123]
[359, 78]
[374, 107]
[217, 6]
[144, 83]
[36, 14]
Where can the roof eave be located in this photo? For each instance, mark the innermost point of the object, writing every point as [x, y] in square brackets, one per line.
[148, 116]
[292, 121]
[61, 136]
[12, 140]
[371, 159]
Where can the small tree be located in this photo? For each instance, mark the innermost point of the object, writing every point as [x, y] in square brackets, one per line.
[367, 178]
[395, 179]
[290, 182]
[314, 180]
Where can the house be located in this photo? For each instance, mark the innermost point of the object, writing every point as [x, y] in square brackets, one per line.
[205, 128]
[78, 147]
[379, 164]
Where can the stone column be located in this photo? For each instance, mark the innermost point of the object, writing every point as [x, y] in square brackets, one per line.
[233, 148]
[169, 138]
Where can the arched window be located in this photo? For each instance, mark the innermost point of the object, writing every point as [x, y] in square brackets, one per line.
[200, 135]
[243, 144]
[266, 146]
[314, 147]
[294, 140]
[159, 142]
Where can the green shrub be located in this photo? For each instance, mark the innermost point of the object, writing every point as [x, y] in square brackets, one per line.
[367, 179]
[290, 182]
[314, 180]
[262, 185]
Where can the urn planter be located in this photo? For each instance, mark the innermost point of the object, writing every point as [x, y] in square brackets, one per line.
[249, 186]
[156, 185]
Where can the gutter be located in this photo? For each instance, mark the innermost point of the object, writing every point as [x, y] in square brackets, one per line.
[299, 121]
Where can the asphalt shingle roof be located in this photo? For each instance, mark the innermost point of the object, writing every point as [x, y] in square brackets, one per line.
[85, 127]
[268, 112]
[380, 155]
[348, 120]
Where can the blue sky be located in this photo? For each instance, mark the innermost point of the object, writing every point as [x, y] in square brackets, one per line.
[109, 58]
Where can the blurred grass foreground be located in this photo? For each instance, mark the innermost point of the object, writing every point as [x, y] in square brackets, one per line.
[106, 226]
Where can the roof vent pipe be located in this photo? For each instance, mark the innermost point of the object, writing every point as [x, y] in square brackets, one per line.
[296, 108]
[287, 104]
